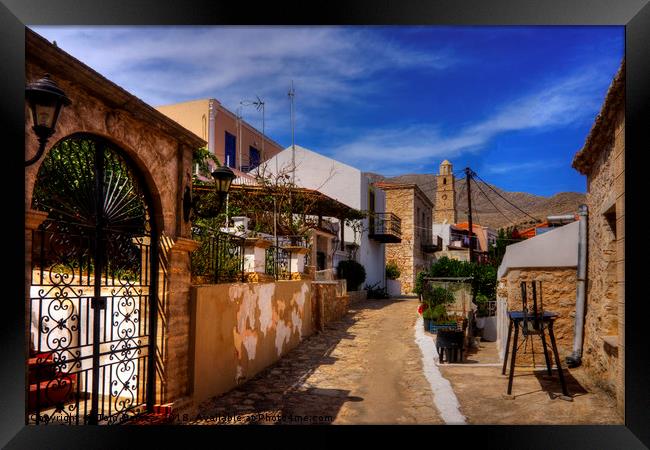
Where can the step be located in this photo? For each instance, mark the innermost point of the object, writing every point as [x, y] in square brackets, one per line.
[53, 394]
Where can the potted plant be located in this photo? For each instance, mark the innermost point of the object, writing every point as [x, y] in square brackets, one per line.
[393, 285]
[437, 299]
[427, 315]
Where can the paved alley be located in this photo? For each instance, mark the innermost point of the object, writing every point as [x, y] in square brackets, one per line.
[364, 369]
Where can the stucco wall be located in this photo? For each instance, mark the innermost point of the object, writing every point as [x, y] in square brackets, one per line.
[239, 329]
[194, 115]
[558, 295]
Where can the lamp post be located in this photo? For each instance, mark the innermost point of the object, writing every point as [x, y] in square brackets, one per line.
[223, 177]
[45, 99]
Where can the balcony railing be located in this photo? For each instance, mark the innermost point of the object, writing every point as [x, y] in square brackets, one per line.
[432, 245]
[219, 258]
[385, 227]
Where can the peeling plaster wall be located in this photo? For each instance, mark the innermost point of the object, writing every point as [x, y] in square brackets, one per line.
[240, 329]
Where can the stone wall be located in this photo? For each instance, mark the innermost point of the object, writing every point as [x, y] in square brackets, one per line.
[241, 328]
[328, 303]
[401, 203]
[602, 160]
[604, 324]
[160, 150]
[405, 202]
[558, 295]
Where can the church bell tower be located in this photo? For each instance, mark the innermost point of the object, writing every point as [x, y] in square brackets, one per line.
[445, 207]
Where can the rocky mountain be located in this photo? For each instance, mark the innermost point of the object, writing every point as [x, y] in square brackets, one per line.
[484, 212]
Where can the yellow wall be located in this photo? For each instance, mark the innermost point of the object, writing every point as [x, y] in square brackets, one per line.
[191, 115]
[194, 115]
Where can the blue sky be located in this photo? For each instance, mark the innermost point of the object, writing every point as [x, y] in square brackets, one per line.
[513, 103]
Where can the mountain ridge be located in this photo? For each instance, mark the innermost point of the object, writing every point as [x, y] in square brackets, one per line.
[484, 213]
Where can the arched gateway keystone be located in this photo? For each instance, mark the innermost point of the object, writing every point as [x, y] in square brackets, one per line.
[106, 252]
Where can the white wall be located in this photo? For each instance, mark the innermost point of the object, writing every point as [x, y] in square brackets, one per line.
[442, 230]
[345, 184]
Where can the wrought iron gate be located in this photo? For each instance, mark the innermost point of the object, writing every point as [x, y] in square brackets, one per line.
[93, 291]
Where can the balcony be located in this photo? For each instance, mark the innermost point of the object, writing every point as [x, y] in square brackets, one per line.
[385, 228]
[430, 247]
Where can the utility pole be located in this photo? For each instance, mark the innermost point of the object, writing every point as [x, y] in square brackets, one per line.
[292, 94]
[468, 177]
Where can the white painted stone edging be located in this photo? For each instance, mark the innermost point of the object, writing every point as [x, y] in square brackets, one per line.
[444, 397]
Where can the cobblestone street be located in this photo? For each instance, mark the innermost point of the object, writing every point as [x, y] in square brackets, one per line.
[364, 369]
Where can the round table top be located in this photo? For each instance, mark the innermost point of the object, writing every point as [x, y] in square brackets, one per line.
[519, 315]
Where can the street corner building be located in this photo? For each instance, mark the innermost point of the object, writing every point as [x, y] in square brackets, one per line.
[602, 160]
[107, 308]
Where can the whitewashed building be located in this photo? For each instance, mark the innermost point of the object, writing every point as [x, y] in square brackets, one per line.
[351, 187]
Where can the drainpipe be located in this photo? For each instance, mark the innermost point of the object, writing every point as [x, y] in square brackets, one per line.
[575, 359]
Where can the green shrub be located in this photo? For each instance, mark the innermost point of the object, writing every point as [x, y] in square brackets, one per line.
[438, 296]
[353, 272]
[484, 276]
[392, 271]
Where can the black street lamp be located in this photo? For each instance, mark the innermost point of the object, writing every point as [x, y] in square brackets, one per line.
[45, 99]
[223, 177]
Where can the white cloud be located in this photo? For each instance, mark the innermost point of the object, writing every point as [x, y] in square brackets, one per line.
[396, 149]
[164, 65]
[525, 166]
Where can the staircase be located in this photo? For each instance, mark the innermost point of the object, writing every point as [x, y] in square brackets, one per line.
[47, 387]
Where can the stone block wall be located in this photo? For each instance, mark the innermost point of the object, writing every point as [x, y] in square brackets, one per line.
[406, 201]
[558, 295]
[328, 303]
[401, 203]
[604, 322]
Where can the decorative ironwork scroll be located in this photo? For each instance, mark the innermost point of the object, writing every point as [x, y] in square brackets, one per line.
[92, 286]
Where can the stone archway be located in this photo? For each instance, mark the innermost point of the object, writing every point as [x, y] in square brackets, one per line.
[93, 293]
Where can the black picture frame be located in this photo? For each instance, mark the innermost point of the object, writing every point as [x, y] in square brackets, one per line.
[633, 14]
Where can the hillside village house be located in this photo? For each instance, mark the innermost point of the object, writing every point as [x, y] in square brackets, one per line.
[415, 252]
[582, 264]
[236, 143]
[602, 160]
[351, 187]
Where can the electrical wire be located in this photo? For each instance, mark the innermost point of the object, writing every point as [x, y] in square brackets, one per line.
[495, 206]
[495, 191]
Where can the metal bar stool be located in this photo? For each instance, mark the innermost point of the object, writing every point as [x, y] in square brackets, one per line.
[532, 324]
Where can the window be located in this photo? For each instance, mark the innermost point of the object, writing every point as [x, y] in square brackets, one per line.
[229, 151]
[253, 158]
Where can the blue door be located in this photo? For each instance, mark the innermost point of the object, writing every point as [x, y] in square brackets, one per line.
[253, 158]
[231, 144]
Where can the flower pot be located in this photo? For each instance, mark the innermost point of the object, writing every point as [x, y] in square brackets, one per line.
[427, 324]
[435, 327]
